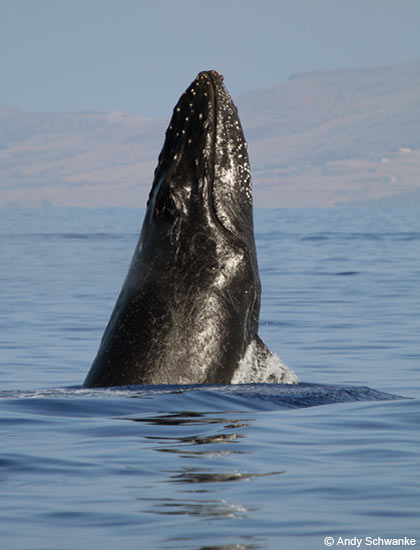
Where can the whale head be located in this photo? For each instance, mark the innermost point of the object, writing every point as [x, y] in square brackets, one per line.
[203, 165]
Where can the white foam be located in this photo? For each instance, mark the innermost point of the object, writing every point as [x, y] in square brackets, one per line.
[261, 366]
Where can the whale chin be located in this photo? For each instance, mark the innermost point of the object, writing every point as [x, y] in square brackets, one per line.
[188, 311]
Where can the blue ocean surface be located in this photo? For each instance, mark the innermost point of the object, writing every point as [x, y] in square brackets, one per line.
[213, 467]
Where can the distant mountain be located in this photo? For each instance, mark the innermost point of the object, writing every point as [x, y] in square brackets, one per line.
[84, 159]
[318, 139]
[336, 136]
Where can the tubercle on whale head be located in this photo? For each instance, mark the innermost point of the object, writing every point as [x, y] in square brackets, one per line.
[204, 160]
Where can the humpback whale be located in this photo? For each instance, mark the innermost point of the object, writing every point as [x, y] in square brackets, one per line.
[188, 310]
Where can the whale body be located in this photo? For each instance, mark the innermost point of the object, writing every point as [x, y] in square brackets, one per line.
[188, 310]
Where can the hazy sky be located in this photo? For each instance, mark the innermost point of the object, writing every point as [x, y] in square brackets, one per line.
[138, 55]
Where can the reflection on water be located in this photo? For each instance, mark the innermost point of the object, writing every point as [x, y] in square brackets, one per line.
[231, 547]
[212, 444]
[186, 442]
[188, 475]
[211, 508]
[202, 440]
[239, 546]
[184, 418]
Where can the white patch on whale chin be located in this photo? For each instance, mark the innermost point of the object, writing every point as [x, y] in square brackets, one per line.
[258, 367]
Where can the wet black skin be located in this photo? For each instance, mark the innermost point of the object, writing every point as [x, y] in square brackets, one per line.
[190, 303]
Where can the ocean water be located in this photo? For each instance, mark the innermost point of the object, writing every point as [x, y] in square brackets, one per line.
[226, 468]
